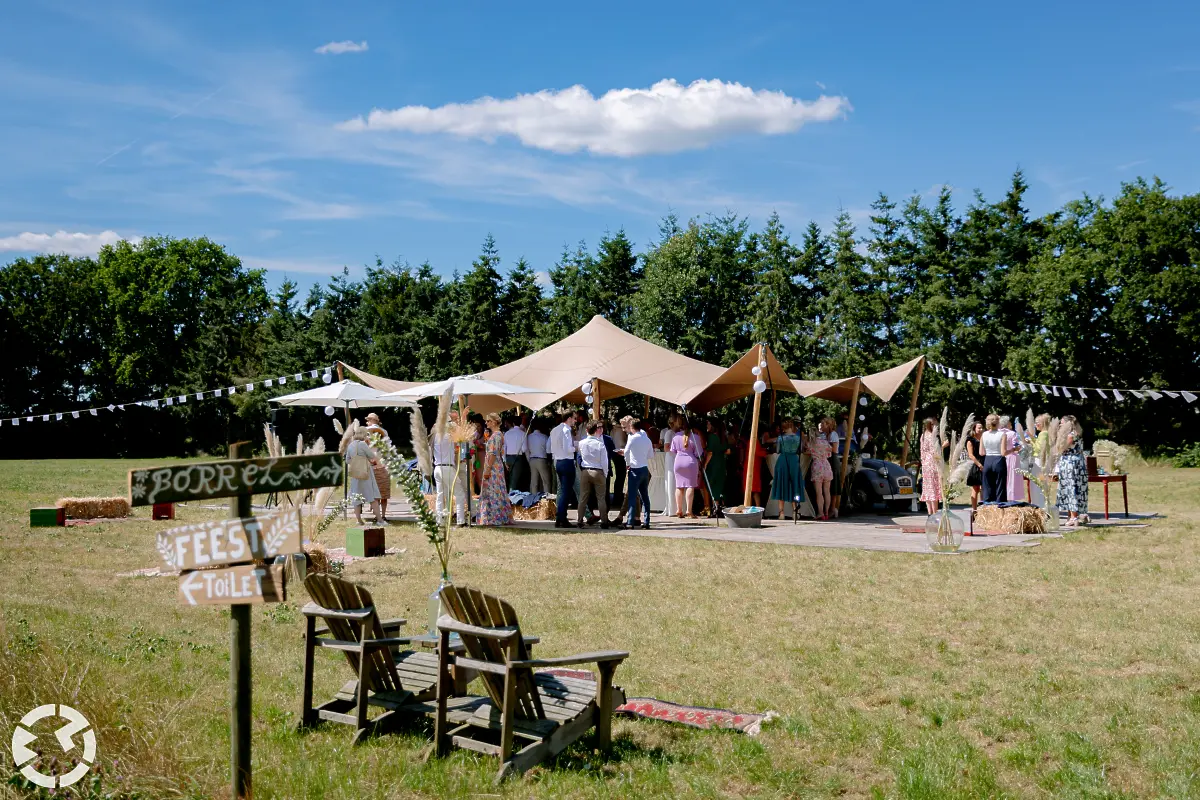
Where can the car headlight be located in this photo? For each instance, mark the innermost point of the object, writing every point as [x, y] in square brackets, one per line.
[883, 472]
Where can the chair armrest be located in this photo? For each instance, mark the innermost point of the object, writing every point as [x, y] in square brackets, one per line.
[446, 623]
[582, 658]
[355, 614]
[393, 624]
[391, 641]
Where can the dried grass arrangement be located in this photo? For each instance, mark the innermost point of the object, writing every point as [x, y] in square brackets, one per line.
[311, 503]
[94, 507]
[544, 510]
[1015, 519]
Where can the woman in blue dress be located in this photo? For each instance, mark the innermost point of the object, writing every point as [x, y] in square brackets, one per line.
[1072, 471]
[787, 484]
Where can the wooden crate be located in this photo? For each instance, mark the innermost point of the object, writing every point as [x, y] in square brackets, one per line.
[47, 517]
[364, 542]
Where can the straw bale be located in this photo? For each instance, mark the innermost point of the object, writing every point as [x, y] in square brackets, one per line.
[94, 507]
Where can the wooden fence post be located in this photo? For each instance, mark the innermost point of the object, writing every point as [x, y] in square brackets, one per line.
[240, 681]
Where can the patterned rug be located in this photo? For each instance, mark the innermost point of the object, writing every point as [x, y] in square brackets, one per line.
[691, 716]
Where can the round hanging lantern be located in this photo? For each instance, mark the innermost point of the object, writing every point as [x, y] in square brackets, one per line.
[763, 364]
[326, 378]
[586, 388]
[756, 371]
[589, 399]
[760, 387]
[862, 417]
[329, 411]
[862, 401]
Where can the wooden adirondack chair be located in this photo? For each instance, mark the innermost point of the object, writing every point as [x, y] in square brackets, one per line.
[526, 717]
[388, 677]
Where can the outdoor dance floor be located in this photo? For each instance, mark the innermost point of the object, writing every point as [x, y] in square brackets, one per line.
[860, 531]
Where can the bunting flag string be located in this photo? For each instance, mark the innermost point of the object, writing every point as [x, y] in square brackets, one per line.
[325, 373]
[1071, 392]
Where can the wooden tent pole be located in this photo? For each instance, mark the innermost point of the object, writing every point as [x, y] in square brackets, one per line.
[846, 440]
[753, 449]
[912, 413]
[646, 414]
[341, 376]
[596, 399]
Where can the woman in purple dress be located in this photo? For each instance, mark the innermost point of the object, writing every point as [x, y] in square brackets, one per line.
[686, 448]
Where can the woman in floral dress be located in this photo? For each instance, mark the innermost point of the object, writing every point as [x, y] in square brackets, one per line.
[1072, 471]
[931, 468]
[494, 505]
[821, 473]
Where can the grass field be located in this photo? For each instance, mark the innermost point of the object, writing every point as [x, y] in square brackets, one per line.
[1064, 670]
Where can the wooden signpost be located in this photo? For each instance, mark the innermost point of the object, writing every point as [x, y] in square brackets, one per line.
[217, 558]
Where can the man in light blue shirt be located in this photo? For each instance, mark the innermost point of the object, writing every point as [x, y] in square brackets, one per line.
[638, 452]
[593, 460]
[562, 450]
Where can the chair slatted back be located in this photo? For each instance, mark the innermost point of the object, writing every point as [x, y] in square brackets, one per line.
[474, 607]
[329, 591]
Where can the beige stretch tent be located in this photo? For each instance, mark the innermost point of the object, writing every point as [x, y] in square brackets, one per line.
[737, 381]
[616, 362]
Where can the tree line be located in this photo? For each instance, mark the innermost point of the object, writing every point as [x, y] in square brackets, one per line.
[1096, 293]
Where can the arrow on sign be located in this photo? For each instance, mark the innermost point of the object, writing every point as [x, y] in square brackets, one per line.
[246, 583]
[188, 584]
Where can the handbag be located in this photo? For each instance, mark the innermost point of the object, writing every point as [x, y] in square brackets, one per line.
[360, 467]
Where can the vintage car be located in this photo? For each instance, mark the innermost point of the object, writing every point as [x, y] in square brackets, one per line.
[883, 484]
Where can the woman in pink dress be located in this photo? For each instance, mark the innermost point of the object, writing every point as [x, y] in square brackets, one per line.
[821, 473]
[1016, 481]
[931, 469]
[687, 471]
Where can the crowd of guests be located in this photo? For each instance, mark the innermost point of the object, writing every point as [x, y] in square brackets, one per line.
[602, 467]
[993, 450]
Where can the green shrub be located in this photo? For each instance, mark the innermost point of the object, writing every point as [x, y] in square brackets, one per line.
[1187, 456]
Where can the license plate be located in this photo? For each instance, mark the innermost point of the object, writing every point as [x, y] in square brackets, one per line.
[905, 490]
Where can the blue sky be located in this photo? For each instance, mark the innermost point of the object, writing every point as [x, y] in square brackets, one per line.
[225, 120]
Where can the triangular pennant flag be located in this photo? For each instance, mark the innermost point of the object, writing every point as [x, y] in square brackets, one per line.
[92, 411]
[249, 387]
[1045, 389]
[181, 399]
[980, 379]
[1066, 392]
[170, 401]
[29, 419]
[1081, 393]
[121, 407]
[282, 380]
[1188, 396]
[57, 417]
[200, 395]
[1010, 383]
[312, 373]
[1117, 394]
[45, 418]
[299, 376]
[990, 381]
[1137, 394]
[1102, 394]
[1022, 386]
[959, 376]
[74, 415]
[1055, 389]
[216, 392]
[154, 404]
[266, 383]
[1171, 395]
[1153, 394]
[16, 422]
[232, 390]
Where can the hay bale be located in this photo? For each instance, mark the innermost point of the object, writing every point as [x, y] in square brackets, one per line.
[318, 559]
[544, 510]
[94, 507]
[1016, 519]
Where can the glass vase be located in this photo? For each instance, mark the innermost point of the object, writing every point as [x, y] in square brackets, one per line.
[1052, 523]
[944, 531]
[435, 604]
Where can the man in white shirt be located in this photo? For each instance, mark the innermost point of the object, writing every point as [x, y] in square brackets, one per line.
[562, 450]
[638, 452]
[593, 461]
[618, 433]
[444, 464]
[539, 458]
[515, 448]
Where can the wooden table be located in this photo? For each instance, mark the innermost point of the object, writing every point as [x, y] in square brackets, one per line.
[1106, 480]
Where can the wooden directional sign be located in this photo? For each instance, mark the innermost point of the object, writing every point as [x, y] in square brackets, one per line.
[231, 541]
[244, 584]
[231, 478]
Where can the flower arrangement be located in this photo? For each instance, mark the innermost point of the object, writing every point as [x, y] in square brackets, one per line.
[1118, 453]
[952, 473]
[310, 504]
[1040, 476]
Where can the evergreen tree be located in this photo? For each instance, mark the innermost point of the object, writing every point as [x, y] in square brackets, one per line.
[480, 326]
[521, 312]
[617, 275]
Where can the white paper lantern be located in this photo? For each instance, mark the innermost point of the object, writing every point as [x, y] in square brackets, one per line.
[329, 411]
[756, 371]
[760, 387]
[589, 399]
[862, 417]
[763, 364]
[326, 378]
[862, 401]
[586, 388]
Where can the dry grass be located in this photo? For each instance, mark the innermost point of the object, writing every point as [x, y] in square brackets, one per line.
[1065, 670]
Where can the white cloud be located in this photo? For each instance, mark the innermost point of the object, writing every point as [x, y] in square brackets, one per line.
[338, 48]
[308, 266]
[543, 279]
[666, 118]
[73, 244]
